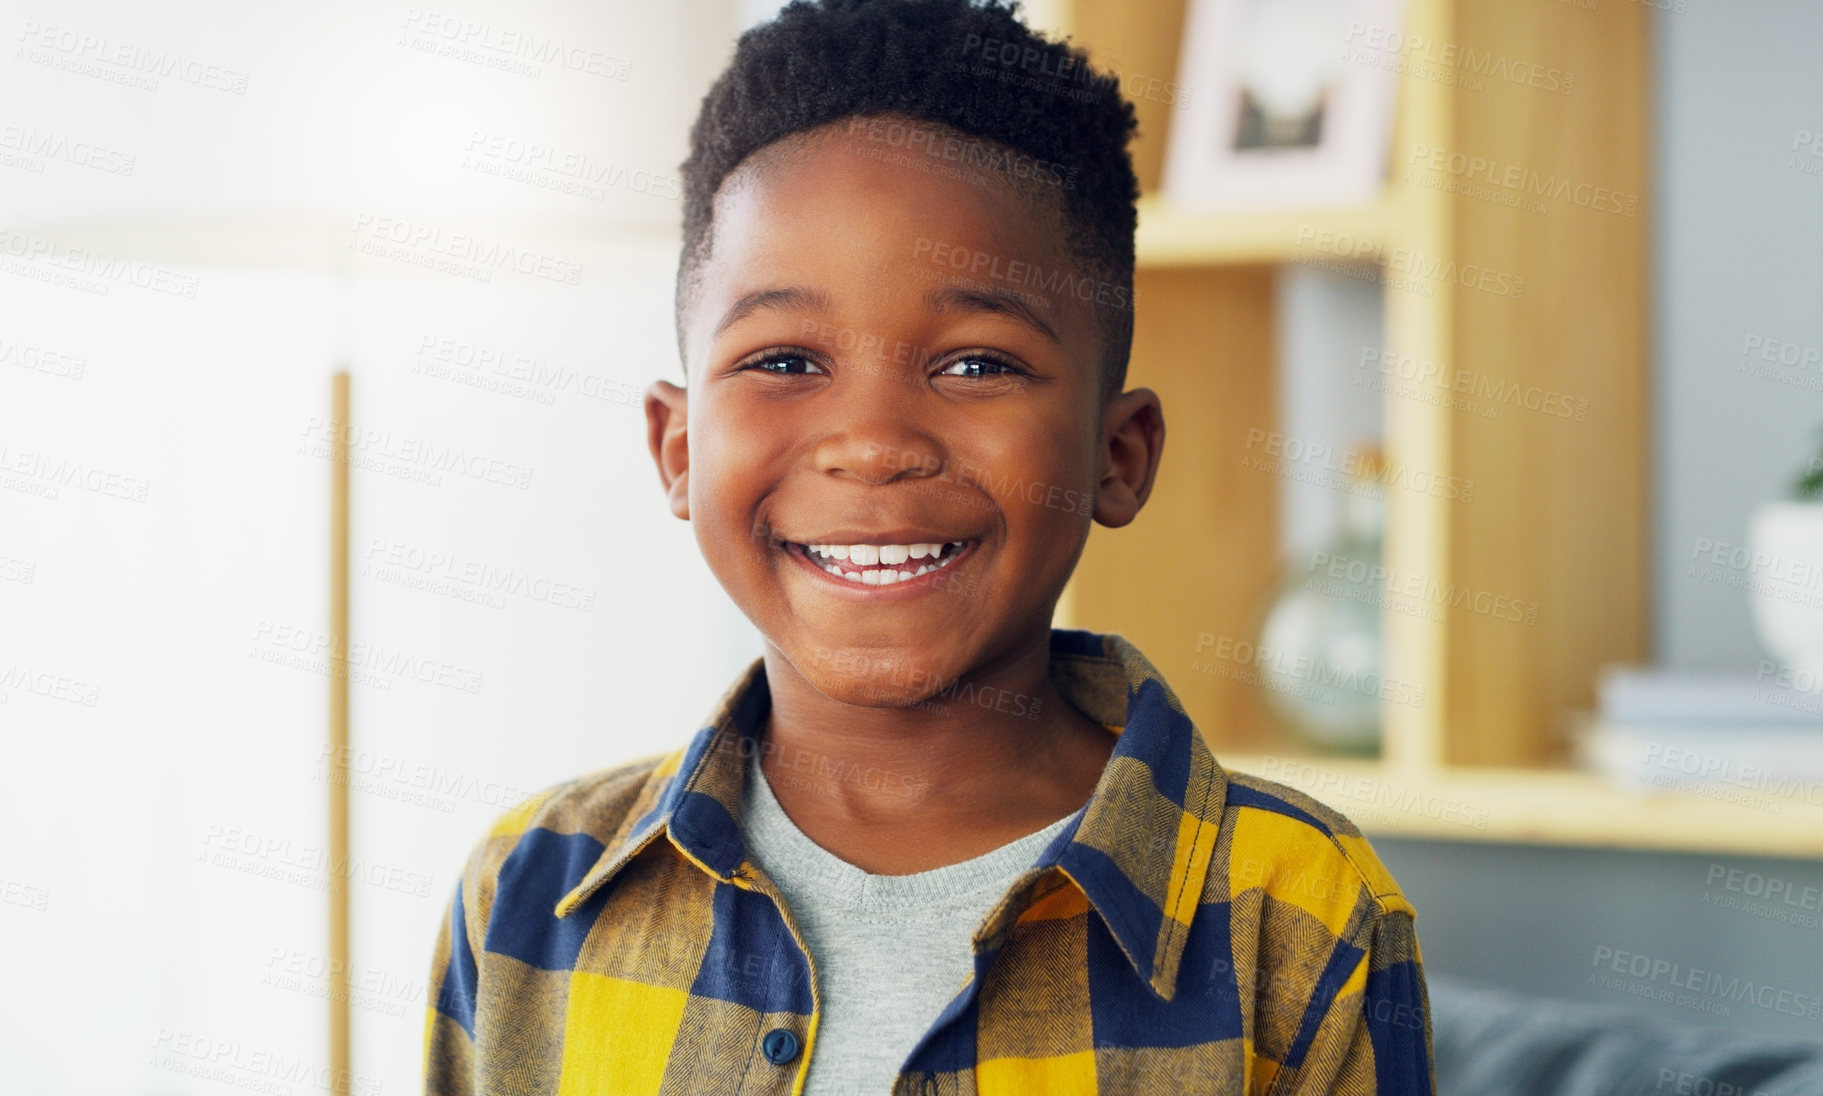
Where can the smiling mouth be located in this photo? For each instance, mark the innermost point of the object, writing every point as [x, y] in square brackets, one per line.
[880, 564]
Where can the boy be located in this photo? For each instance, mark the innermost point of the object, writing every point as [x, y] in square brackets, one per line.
[926, 843]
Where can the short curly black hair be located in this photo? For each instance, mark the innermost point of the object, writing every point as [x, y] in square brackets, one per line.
[967, 67]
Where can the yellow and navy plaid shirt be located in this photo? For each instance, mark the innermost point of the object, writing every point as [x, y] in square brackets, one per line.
[1190, 931]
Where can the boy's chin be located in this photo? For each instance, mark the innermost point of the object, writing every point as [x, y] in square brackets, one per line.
[870, 679]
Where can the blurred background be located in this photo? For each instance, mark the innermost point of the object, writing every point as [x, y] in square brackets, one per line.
[1487, 333]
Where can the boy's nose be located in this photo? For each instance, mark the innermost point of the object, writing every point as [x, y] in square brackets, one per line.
[880, 452]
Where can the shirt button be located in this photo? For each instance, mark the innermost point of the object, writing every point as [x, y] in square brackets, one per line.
[780, 1046]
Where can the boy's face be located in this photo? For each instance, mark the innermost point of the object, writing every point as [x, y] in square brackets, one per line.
[850, 385]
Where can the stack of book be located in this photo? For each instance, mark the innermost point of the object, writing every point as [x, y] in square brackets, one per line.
[1754, 739]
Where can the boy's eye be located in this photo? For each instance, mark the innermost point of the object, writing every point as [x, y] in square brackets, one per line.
[784, 362]
[979, 366]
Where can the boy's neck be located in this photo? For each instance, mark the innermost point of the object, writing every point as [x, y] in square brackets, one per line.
[994, 757]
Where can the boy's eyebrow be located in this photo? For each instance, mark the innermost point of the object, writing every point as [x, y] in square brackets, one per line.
[1000, 302]
[792, 298]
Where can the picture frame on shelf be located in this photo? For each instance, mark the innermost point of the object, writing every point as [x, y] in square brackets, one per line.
[1290, 104]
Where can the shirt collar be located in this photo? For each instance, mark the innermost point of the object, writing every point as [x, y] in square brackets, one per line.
[1139, 852]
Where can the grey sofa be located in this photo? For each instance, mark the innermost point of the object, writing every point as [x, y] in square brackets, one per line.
[1493, 1042]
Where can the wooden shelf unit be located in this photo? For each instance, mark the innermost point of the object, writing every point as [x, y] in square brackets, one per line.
[1554, 514]
[1169, 238]
[1545, 806]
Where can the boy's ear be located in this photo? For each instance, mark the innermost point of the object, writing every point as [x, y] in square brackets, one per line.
[668, 436]
[1133, 441]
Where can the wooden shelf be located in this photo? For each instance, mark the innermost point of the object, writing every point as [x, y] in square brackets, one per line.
[1544, 806]
[1172, 237]
[1481, 298]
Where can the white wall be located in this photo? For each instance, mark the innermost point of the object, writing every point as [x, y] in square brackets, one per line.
[163, 701]
[345, 107]
[152, 786]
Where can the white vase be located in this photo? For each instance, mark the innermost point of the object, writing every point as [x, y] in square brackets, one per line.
[1786, 587]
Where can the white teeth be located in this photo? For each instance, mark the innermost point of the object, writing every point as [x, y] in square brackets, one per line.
[889, 554]
[869, 554]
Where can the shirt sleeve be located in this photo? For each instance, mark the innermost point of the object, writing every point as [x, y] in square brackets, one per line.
[449, 1023]
[1374, 1037]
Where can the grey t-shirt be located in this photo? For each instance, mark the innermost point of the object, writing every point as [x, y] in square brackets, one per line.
[890, 950]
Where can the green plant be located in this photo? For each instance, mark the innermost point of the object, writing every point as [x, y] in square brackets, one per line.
[1808, 487]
